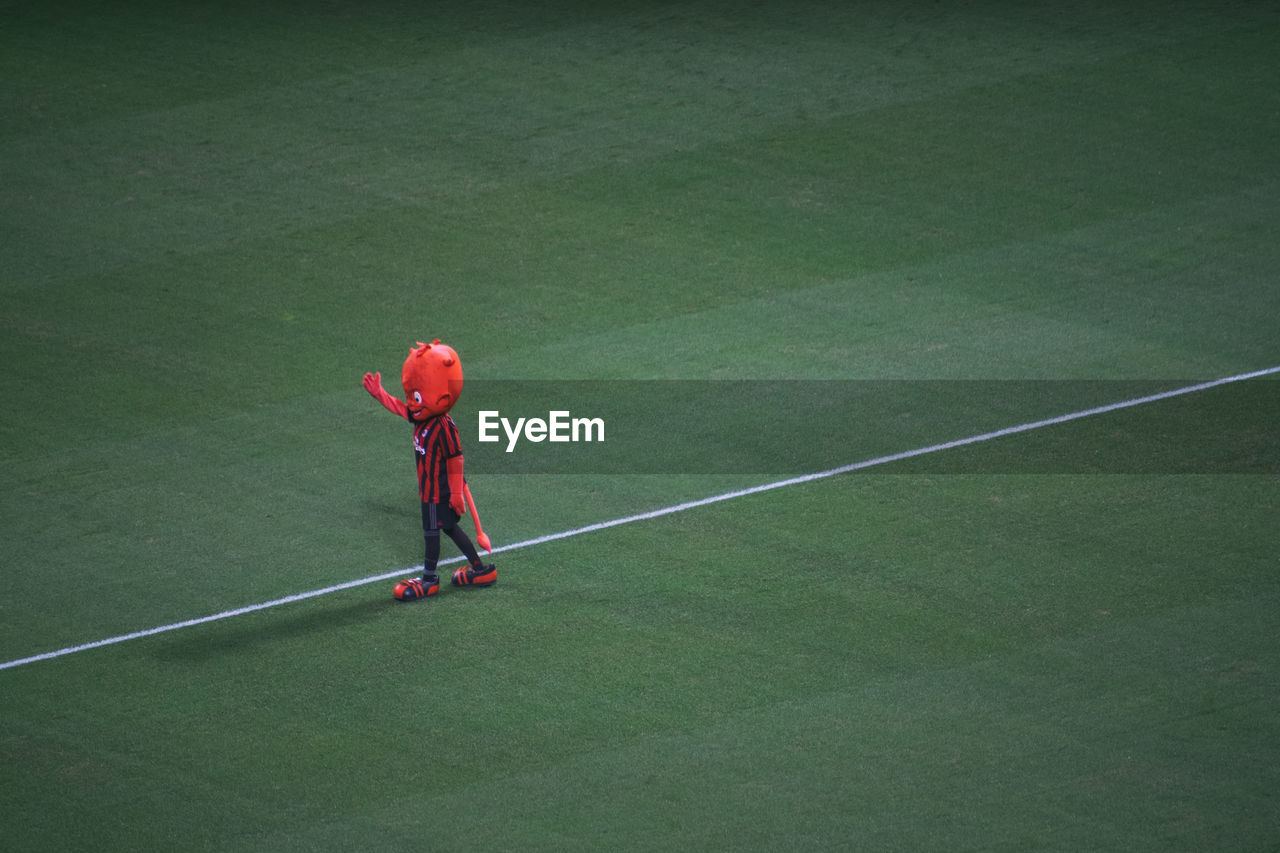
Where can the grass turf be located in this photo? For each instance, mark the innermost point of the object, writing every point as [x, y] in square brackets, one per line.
[217, 219]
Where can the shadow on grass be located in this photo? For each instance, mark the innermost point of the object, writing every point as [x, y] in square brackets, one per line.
[278, 626]
[242, 633]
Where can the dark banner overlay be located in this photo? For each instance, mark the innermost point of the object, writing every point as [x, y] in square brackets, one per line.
[787, 427]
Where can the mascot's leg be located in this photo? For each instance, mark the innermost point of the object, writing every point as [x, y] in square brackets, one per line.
[476, 574]
[413, 589]
[460, 538]
[437, 517]
[431, 557]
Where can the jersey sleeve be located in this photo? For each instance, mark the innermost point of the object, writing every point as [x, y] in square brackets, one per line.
[449, 437]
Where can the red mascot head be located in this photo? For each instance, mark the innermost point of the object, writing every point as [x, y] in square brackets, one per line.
[432, 379]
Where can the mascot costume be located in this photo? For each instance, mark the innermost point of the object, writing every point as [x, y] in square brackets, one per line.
[432, 379]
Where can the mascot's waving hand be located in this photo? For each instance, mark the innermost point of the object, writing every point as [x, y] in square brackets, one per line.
[432, 379]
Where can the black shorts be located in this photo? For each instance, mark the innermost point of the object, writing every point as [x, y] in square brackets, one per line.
[438, 517]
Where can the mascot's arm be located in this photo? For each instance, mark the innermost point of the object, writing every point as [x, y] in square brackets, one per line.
[457, 487]
[373, 384]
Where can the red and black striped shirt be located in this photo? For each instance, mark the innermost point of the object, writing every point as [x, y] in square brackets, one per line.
[434, 442]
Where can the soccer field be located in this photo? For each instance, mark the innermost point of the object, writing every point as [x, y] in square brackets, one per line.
[758, 242]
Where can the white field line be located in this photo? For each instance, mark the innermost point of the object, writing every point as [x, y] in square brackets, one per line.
[657, 513]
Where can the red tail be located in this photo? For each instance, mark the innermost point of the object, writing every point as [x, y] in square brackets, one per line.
[475, 516]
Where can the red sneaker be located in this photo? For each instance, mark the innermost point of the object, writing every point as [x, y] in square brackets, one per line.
[475, 576]
[413, 589]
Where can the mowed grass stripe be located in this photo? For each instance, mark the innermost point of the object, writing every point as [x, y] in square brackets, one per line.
[443, 141]
[664, 511]
[958, 613]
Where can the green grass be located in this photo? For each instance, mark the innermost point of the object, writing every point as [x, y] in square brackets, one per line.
[217, 218]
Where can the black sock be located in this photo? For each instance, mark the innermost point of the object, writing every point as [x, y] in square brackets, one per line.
[460, 538]
[433, 554]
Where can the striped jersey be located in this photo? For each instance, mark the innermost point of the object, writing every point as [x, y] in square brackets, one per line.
[434, 441]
